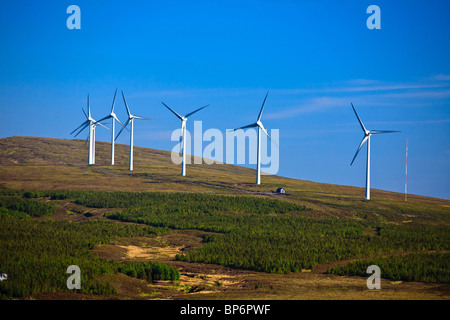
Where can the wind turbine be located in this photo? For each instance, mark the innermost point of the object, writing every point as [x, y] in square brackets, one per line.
[366, 137]
[92, 124]
[114, 118]
[260, 126]
[183, 133]
[130, 120]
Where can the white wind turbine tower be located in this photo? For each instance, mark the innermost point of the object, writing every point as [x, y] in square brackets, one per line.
[130, 120]
[183, 133]
[95, 124]
[366, 137]
[91, 137]
[260, 126]
[114, 118]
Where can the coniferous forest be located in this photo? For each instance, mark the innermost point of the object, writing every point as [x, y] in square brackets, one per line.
[246, 232]
[35, 254]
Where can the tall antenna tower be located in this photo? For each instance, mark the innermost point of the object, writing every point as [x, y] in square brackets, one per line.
[406, 171]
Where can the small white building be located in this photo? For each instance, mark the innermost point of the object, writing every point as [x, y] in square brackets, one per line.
[281, 190]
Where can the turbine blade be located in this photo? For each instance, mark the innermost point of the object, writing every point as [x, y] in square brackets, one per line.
[265, 131]
[85, 113]
[143, 118]
[191, 113]
[382, 131]
[126, 124]
[360, 122]
[126, 105]
[173, 111]
[98, 123]
[85, 142]
[84, 124]
[115, 117]
[244, 127]
[105, 118]
[262, 107]
[114, 101]
[89, 107]
[360, 145]
[81, 130]
[79, 127]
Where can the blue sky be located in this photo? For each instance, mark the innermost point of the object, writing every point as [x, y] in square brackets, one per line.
[316, 57]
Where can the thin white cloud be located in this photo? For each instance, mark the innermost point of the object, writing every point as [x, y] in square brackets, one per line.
[308, 106]
[348, 86]
[410, 122]
[361, 88]
[362, 92]
[440, 77]
[369, 85]
[388, 87]
[428, 94]
[376, 95]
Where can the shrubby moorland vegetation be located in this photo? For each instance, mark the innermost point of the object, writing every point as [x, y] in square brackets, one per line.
[35, 254]
[247, 232]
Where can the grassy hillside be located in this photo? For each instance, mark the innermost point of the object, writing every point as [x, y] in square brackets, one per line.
[47, 163]
[264, 244]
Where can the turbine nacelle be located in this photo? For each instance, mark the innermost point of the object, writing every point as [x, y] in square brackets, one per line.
[113, 115]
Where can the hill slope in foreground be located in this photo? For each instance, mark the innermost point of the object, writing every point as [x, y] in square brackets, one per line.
[313, 251]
